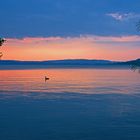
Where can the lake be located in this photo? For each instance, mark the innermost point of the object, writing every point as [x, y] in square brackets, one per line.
[75, 104]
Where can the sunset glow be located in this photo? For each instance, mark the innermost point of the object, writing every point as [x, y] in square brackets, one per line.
[83, 47]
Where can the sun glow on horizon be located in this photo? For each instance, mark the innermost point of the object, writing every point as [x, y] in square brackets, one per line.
[84, 47]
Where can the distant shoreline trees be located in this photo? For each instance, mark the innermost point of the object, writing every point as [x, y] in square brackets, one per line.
[136, 65]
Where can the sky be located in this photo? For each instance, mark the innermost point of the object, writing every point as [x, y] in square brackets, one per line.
[70, 29]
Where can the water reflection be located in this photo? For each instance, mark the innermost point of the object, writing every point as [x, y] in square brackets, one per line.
[74, 104]
[86, 81]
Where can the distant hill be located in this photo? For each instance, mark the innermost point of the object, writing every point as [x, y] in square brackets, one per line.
[70, 63]
[57, 62]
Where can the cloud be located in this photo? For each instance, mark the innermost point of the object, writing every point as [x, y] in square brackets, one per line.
[62, 40]
[123, 16]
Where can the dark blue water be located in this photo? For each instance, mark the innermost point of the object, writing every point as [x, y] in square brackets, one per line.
[91, 105]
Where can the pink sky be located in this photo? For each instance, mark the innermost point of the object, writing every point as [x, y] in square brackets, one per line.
[83, 47]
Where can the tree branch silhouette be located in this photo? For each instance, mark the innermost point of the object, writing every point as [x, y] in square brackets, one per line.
[2, 40]
[136, 65]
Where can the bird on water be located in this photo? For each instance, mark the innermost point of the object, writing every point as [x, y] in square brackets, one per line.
[46, 78]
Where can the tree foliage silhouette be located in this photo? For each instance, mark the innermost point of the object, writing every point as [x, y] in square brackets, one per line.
[136, 65]
[1, 43]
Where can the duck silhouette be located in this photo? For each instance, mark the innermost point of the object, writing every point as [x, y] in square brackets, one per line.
[46, 78]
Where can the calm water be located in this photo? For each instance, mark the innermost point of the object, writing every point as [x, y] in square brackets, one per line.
[75, 104]
[86, 81]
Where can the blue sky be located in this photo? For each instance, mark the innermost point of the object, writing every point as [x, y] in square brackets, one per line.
[44, 18]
